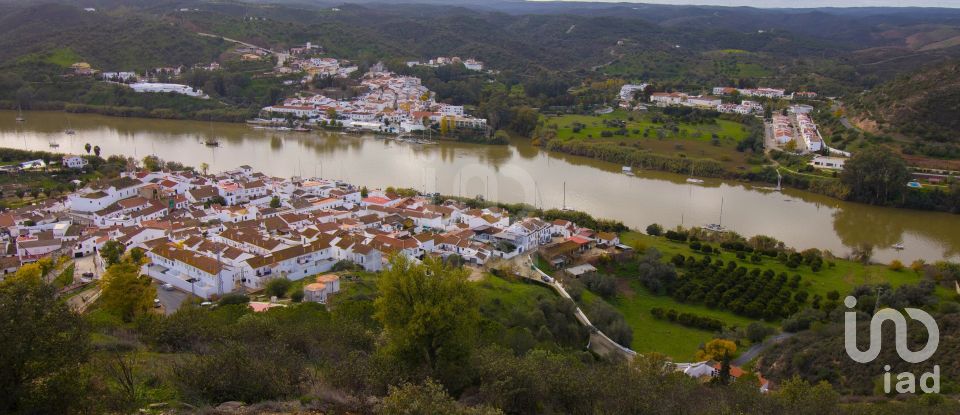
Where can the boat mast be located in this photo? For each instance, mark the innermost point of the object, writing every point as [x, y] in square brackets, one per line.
[721, 212]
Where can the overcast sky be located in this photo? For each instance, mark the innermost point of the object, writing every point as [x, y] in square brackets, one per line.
[807, 3]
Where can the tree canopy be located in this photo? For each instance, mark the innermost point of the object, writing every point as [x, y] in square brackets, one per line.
[429, 313]
[875, 175]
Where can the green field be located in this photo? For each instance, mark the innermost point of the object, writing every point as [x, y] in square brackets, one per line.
[671, 339]
[499, 297]
[680, 342]
[729, 132]
[716, 141]
[62, 57]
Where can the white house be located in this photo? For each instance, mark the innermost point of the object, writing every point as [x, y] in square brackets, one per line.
[189, 271]
[74, 162]
[668, 98]
[102, 196]
[149, 87]
[705, 101]
[832, 163]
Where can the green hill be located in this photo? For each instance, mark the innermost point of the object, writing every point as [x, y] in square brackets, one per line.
[919, 110]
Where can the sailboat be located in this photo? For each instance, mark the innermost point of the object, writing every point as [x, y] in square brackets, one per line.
[565, 207]
[69, 130]
[717, 227]
[212, 142]
[693, 180]
[20, 114]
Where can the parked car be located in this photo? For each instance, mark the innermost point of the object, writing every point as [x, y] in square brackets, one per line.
[167, 287]
[156, 303]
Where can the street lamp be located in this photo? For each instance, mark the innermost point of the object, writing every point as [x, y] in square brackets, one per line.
[191, 281]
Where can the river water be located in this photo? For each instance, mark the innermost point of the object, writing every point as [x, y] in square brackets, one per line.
[515, 173]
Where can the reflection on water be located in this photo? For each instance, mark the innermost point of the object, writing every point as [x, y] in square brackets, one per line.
[515, 173]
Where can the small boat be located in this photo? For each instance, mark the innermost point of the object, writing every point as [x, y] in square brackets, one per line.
[627, 170]
[69, 131]
[20, 115]
[914, 185]
[212, 143]
[898, 246]
[715, 228]
[301, 129]
[694, 181]
[54, 145]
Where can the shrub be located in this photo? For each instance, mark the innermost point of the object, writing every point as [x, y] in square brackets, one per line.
[654, 229]
[278, 287]
[234, 298]
[896, 265]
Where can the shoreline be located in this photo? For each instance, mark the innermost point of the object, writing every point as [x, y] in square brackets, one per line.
[820, 186]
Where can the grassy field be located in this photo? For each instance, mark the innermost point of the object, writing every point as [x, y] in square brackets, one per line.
[711, 141]
[671, 339]
[726, 130]
[500, 296]
[680, 342]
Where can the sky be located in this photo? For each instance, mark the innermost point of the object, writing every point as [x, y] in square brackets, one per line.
[804, 4]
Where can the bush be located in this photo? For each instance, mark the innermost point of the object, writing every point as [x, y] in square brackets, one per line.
[896, 265]
[234, 298]
[654, 229]
[756, 332]
[688, 319]
[278, 287]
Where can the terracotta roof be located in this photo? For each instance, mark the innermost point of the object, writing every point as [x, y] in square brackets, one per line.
[194, 259]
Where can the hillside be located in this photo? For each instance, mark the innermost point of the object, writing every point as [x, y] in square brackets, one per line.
[918, 110]
[118, 40]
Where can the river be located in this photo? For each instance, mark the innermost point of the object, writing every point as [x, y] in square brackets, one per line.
[515, 173]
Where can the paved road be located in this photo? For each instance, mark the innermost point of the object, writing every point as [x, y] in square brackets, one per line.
[756, 349]
[170, 300]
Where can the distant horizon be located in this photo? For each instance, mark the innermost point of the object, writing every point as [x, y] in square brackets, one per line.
[788, 4]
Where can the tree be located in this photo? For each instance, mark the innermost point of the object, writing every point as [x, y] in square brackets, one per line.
[204, 167]
[112, 251]
[429, 313]
[875, 175]
[796, 396]
[126, 293]
[501, 137]
[716, 349]
[96, 151]
[332, 114]
[87, 147]
[275, 202]
[44, 347]
[278, 287]
[654, 229]
[757, 331]
[152, 163]
[524, 120]
[791, 146]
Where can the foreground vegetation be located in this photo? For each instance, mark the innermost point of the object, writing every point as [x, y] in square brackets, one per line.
[424, 340]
